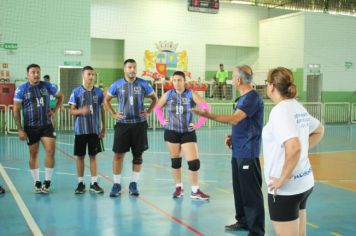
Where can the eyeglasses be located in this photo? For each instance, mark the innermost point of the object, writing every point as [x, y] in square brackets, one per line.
[234, 105]
[267, 83]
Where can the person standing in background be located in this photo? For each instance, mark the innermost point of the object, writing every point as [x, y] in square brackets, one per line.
[87, 106]
[131, 125]
[288, 135]
[179, 132]
[245, 142]
[33, 99]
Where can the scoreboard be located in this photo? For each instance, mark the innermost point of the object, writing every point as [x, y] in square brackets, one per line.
[204, 6]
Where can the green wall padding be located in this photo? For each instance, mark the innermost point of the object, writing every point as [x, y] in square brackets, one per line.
[298, 80]
[108, 75]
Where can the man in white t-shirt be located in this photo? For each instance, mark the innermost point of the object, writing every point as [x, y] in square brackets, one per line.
[290, 132]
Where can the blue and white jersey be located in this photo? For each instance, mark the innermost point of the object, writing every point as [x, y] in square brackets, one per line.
[130, 97]
[93, 99]
[35, 102]
[178, 108]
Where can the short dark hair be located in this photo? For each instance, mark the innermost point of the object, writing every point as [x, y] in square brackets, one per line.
[46, 77]
[129, 61]
[180, 73]
[32, 66]
[221, 64]
[87, 68]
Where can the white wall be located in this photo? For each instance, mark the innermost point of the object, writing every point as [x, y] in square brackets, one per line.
[331, 41]
[144, 23]
[299, 39]
[281, 42]
[230, 56]
[43, 30]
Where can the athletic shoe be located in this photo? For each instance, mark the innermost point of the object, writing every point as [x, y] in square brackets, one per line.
[80, 189]
[133, 189]
[96, 188]
[199, 195]
[116, 190]
[38, 187]
[2, 190]
[178, 193]
[236, 226]
[46, 186]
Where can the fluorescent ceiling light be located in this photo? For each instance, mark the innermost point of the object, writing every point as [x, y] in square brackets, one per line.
[73, 52]
[242, 2]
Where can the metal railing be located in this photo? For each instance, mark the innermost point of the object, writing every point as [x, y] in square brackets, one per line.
[11, 127]
[3, 114]
[337, 112]
[327, 113]
[353, 113]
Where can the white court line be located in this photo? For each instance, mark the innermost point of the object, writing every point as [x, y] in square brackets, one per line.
[25, 212]
[11, 168]
[123, 177]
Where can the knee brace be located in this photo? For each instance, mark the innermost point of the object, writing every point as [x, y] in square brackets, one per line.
[194, 165]
[137, 159]
[176, 163]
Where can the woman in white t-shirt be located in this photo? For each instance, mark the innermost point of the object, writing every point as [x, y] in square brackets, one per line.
[290, 132]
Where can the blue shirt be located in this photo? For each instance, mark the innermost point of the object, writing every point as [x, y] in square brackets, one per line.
[35, 102]
[80, 97]
[130, 97]
[178, 108]
[246, 135]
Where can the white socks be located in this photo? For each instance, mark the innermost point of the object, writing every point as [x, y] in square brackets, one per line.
[94, 179]
[48, 173]
[80, 179]
[117, 179]
[135, 176]
[195, 189]
[35, 174]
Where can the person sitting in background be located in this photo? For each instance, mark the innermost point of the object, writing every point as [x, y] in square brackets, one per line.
[221, 77]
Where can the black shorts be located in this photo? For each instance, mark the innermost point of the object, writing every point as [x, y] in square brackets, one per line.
[132, 136]
[175, 137]
[34, 134]
[286, 208]
[94, 143]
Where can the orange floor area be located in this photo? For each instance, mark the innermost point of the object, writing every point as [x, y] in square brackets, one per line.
[335, 168]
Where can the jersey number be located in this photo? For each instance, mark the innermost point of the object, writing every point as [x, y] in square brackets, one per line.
[40, 102]
[179, 110]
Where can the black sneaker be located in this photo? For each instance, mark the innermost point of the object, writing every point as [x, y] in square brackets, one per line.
[80, 189]
[2, 190]
[46, 186]
[38, 187]
[96, 188]
[236, 226]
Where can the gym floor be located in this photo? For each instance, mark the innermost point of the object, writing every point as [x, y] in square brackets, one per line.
[331, 208]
